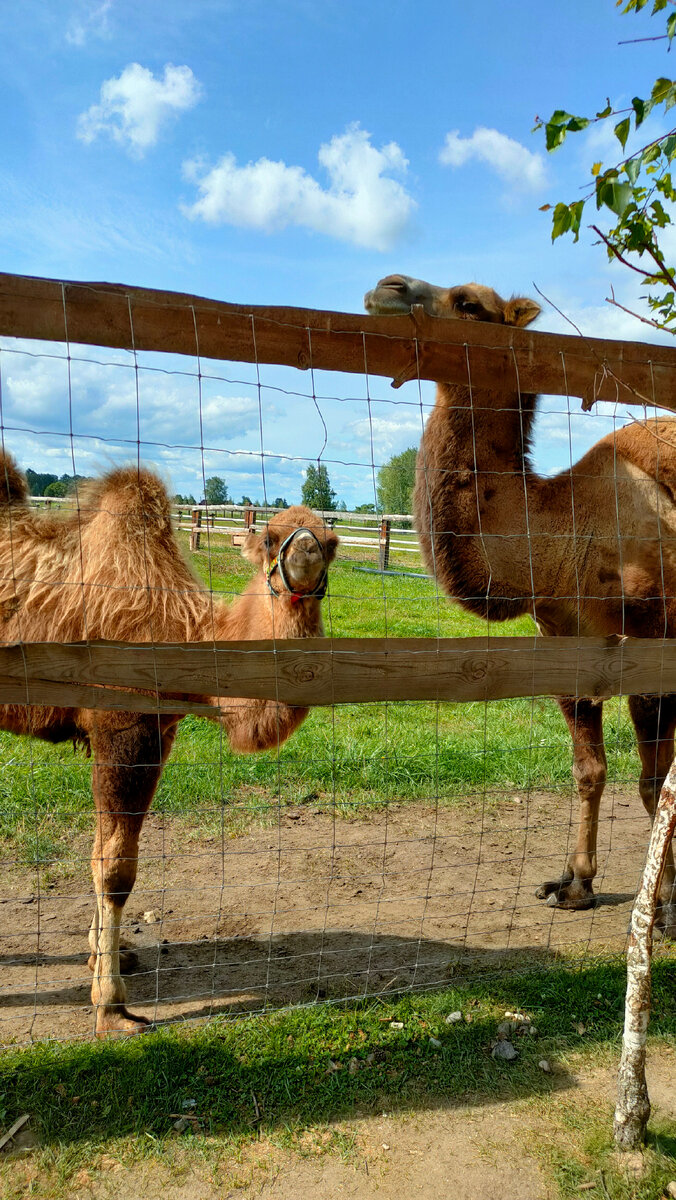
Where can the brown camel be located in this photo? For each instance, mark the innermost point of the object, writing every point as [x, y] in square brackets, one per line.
[590, 551]
[114, 570]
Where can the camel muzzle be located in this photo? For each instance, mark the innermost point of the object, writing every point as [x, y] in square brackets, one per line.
[277, 564]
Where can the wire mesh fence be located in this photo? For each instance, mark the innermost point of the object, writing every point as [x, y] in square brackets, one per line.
[398, 838]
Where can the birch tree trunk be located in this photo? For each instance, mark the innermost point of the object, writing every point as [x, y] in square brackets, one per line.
[633, 1105]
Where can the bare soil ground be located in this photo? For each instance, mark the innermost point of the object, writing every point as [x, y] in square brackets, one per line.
[463, 1152]
[316, 907]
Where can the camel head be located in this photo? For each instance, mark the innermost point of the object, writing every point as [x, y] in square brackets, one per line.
[294, 551]
[465, 302]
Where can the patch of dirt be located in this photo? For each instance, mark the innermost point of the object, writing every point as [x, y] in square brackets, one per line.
[317, 907]
[459, 1153]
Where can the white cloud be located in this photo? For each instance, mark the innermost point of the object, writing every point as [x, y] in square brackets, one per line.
[92, 20]
[362, 203]
[135, 105]
[384, 436]
[519, 167]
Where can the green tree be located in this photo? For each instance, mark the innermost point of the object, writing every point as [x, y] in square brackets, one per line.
[280, 502]
[395, 482]
[38, 481]
[317, 491]
[56, 488]
[634, 194]
[365, 508]
[215, 490]
[246, 500]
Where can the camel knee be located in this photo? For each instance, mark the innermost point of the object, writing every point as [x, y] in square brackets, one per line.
[590, 774]
[114, 872]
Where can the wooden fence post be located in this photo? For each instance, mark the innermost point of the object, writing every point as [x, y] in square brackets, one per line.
[196, 521]
[384, 546]
[249, 518]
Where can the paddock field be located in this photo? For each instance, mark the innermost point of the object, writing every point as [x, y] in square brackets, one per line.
[385, 859]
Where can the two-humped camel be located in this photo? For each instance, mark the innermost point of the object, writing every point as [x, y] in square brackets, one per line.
[113, 569]
[590, 551]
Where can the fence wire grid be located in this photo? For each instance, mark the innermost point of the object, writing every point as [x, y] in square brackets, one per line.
[387, 845]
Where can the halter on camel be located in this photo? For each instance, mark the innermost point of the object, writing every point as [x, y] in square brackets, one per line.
[277, 564]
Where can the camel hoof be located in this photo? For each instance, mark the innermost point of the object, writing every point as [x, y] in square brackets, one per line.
[119, 1022]
[129, 962]
[574, 894]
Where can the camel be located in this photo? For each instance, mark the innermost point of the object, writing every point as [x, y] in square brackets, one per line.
[591, 551]
[113, 569]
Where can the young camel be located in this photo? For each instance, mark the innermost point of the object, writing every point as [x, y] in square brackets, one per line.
[114, 570]
[590, 551]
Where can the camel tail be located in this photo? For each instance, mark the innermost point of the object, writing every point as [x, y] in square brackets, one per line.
[13, 485]
[135, 495]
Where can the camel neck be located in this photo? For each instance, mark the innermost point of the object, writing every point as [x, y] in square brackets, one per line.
[473, 489]
[489, 431]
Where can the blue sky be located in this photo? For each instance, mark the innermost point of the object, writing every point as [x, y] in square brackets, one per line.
[293, 153]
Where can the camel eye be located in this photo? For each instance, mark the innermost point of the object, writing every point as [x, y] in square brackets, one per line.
[467, 306]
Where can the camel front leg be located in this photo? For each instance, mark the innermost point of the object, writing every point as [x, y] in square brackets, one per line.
[654, 720]
[585, 722]
[130, 753]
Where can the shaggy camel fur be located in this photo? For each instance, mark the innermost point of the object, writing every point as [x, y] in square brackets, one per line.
[114, 570]
[590, 551]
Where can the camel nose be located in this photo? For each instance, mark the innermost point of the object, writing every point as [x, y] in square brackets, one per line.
[395, 283]
[304, 560]
[391, 294]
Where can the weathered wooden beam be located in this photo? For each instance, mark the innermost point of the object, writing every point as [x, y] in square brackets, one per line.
[401, 347]
[324, 671]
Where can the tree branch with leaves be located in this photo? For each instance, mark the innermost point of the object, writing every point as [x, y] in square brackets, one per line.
[637, 190]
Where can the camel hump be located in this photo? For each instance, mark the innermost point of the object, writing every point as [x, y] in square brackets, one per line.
[651, 446]
[13, 486]
[134, 494]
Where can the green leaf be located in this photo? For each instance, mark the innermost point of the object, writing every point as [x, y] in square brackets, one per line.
[576, 210]
[561, 220]
[651, 154]
[605, 112]
[641, 110]
[577, 123]
[554, 135]
[663, 91]
[671, 27]
[622, 131]
[632, 169]
[613, 195]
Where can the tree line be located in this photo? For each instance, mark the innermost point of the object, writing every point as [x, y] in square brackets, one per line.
[394, 488]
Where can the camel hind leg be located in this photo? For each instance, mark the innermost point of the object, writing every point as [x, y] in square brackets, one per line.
[654, 720]
[130, 752]
[585, 722]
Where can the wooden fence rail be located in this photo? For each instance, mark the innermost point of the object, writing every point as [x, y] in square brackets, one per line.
[326, 671]
[402, 347]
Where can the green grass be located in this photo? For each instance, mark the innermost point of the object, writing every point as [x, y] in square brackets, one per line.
[85, 1097]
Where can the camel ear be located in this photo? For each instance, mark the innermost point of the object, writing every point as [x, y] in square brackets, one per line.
[521, 311]
[252, 548]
